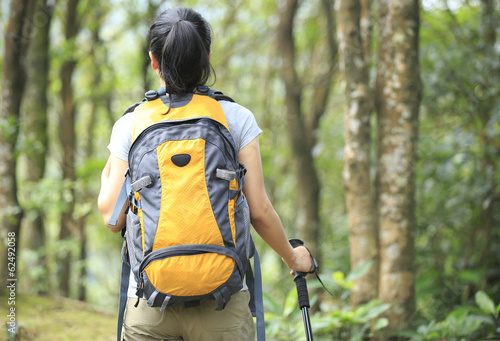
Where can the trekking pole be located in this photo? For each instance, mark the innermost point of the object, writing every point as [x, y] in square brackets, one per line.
[303, 295]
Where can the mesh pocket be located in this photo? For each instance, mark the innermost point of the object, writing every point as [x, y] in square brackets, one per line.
[133, 230]
[249, 245]
[125, 258]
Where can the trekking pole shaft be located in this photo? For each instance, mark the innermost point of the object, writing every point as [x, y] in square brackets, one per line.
[307, 324]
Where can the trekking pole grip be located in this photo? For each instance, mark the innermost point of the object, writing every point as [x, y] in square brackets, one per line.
[303, 295]
[300, 280]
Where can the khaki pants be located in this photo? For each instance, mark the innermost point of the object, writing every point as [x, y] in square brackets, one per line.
[200, 323]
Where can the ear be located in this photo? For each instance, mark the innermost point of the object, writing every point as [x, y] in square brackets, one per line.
[154, 62]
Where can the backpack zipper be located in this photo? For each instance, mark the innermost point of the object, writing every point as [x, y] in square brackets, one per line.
[167, 253]
[157, 125]
[189, 250]
[157, 255]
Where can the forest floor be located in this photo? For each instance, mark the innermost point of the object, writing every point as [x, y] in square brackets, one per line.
[58, 319]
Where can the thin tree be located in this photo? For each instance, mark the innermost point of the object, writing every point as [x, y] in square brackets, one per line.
[35, 128]
[67, 138]
[17, 35]
[146, 67]
[99, 98]
[360, 205]
[301, 125]
[397, 95]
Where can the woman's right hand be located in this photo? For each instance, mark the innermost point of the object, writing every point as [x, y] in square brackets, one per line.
[303, 261]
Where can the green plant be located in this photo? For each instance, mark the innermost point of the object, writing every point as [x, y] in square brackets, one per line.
[335, 320]
[283, 318]
[348, 324]
[465, 323]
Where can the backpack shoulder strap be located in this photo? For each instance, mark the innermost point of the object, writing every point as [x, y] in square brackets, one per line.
[124, 282]
[133, 106]
[256, 303]
[215, 94]
[201, 90]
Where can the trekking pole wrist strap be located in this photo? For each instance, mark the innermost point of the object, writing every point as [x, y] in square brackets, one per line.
[295, 242]
[314, 265]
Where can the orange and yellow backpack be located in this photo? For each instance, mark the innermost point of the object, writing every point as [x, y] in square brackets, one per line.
[187, 234]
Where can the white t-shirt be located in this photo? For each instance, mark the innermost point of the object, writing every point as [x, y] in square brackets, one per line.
[242, 126]
[240, 120]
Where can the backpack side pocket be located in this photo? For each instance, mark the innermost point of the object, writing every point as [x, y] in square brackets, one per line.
[134, 238]
[242, 221]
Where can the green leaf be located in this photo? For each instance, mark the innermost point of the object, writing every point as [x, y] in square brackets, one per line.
[381, 323]
[486, 303]
[90, 168]
[360, 271]
[460, 313]
[376, 311]
[339, 278]
[407, 333]
[291, 303]
[368, 311]
[272, 305]
[474, 276]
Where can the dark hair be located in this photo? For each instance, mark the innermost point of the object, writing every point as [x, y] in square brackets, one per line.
[180, 40]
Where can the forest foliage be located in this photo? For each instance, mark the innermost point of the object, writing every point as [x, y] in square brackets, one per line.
[457, 208]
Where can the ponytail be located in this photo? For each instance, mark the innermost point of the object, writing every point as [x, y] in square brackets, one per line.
[180, 41]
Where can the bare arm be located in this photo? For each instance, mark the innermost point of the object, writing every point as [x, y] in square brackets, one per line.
[264, 218]
[111, 182]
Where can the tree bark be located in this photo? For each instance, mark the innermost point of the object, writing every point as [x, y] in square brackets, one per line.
[17, 35]
[322, 83]
[306, 175]
[146, 64]
[366, 28]
[398, 94]
[35, 129]
[99, 98]
[363, 236]
[67, 138]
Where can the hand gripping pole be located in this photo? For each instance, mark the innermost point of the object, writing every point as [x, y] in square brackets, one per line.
[303, 295]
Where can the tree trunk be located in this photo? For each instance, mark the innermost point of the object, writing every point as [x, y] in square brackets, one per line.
[146, 64]
[99, 97]
[17, 35]
[398, 94]
[307, 178]
[363, 236]
[35, 130]
[322, 83]
[67, 137]
[82, 274]
[366, 28]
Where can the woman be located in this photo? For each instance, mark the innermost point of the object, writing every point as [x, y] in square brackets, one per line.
[180, 51]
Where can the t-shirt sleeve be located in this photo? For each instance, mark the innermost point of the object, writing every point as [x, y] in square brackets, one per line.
[242, 124]
[121, 137]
